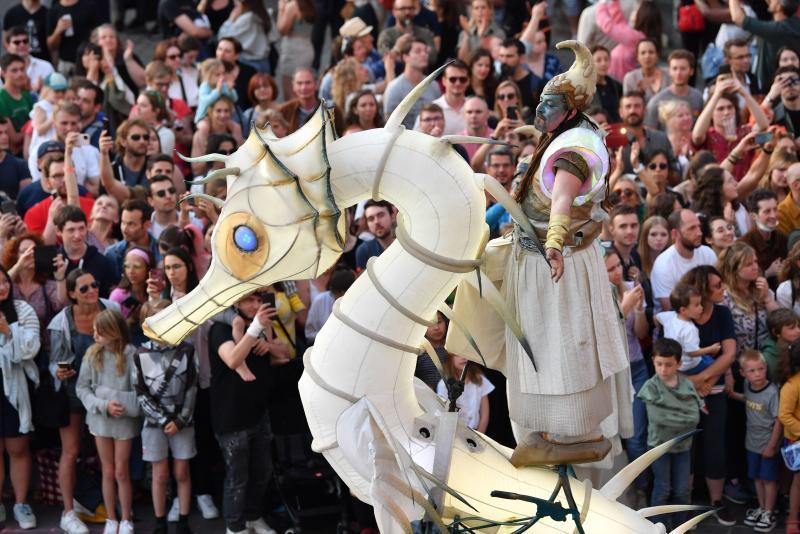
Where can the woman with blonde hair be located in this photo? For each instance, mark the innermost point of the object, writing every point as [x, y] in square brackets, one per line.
[655, 238]
[775, 177]
[348, 77]
[112, 411]
[506, 95]
[747, 295]
[677, 117]
[788, 292]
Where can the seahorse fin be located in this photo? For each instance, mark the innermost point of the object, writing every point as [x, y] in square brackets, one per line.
[444, 487]
[456, 320]
[686, 527]
[402, 109]
[671, 509]
[207, 158]
[219, 173]
[495, 299]
[218, 202]
[614, 487]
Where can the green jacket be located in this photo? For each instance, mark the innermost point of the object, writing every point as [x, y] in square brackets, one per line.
[670, 411]
[771, 351]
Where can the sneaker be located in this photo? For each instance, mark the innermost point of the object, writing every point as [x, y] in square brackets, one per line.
[23, 514]
[766, 522]
[207, 507]
[111, 527]
[736, 493]
[724, 515]
[752, 516]
[71, 524]
[126, 527]
[174, 512]
[259, 526]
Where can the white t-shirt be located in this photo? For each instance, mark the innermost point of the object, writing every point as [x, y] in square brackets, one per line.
[38, 69]
[48, 110]
[784, 297]
[670, 267]
[469, 403]
[685, 333]
[85, 158]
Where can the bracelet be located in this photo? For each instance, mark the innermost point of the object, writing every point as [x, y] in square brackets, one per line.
[59, 279]
[70, 170]
[767, 152]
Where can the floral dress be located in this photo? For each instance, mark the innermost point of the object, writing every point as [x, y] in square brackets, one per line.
[751, 329]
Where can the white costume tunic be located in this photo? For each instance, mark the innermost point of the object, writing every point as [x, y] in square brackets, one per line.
[573, 326]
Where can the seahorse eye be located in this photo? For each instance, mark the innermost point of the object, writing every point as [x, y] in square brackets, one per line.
[245, 238]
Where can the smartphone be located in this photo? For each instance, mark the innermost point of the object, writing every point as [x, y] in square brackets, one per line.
[512, 112]
[8, 206]
[763, 137]
[617, 136]
[157, 274]
[83, 140]
[106, 125]
[66, 366]
[268, 299]
[43, 256]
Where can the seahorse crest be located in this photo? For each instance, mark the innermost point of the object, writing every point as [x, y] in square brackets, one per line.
[579, 83]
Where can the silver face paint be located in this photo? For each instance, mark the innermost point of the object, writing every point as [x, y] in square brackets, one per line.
[550, 113]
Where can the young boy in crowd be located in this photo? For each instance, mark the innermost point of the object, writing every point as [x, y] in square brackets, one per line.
[762, 438]
[784, 329]
[678, 325]
[165, 380]
[673, 408]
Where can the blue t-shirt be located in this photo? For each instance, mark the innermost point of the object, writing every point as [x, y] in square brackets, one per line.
[366, 250]
[718, 328]
[12, 171]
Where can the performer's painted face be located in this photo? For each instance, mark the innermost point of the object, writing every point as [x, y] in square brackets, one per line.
[550, 113]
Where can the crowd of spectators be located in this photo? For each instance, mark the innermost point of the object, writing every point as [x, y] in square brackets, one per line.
[704, 193]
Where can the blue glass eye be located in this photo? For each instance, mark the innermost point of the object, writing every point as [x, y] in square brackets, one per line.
[245, 238]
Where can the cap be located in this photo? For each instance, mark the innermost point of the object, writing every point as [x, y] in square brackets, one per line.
[47, 147]
[354, 27]
[56, 81]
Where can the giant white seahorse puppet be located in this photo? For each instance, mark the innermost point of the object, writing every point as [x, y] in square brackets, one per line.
[386, 435]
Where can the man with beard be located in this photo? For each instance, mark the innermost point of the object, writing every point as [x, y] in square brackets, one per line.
[414, 53]
[40, 219]
[769, 243]
[456, 81]
[380, 216]
[511, 54]
[685, 253]
[135, 227]
[130, 164]
[624, 227]
[631, 111]
[787, 112]
[85, 158]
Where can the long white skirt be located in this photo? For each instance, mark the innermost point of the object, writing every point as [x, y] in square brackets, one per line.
[578, 343]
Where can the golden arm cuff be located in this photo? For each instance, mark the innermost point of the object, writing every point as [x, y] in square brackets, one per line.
[557, 231]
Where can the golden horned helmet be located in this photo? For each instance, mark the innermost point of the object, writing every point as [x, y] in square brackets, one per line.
[579, 83]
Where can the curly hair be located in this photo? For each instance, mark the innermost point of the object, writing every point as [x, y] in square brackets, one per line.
[698, 278]
[708, 198]
[11, 253]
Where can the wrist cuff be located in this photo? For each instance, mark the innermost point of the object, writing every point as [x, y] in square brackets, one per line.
[557, 231]
[255, 328]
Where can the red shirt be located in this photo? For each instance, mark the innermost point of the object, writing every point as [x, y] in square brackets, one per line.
[718, 145]
[36, 217]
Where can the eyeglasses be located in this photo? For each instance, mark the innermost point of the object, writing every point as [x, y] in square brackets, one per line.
[18, 42]
[659, 166]
[175, 267]
[174, 56]
[133, 266]
[506, 96]
[225, 152]
[457, 79]
[139, 137]
[85, 287]
[164, 192]
[625, 192]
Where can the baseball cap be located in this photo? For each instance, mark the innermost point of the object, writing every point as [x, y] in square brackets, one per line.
[47, 147]
[354, 27]
[56, 81]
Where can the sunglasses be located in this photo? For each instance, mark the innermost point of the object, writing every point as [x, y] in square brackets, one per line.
[457, 79]
[85, 287]
[625, 192]
[174, 56]
[659, 166]
[506, 96]
[139, 137]
[18, 42]
[165, 192]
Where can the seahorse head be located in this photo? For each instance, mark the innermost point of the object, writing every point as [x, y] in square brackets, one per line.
[279, 222]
